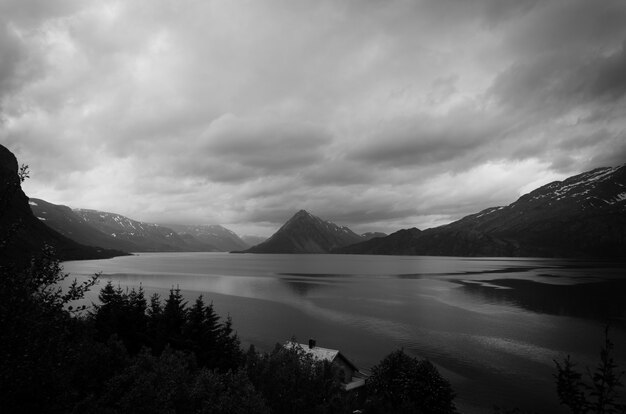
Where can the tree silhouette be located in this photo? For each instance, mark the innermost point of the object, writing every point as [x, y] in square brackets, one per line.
[597, 392]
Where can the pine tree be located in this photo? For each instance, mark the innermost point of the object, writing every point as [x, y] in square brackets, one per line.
[110, 316]
[137, 321]
[155, 325]
[597, 395]
[174, 318]
[228, 347]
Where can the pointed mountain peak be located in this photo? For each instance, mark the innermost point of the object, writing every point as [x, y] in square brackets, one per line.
[302, 213]
[306, 233]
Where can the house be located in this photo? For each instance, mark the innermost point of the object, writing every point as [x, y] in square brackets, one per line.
[352, 377]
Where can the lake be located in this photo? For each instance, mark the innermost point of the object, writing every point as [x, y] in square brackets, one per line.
[493, 326]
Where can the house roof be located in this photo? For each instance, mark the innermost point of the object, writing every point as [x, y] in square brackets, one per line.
[321, 354]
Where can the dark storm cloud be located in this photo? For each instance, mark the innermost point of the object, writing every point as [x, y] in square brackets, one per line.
[610, 80]
[10, 57]
[568, 26]
[421, 141]
[32, 12]
[266, 147]
[557, 83]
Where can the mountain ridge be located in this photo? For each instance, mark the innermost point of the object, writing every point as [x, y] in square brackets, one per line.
[215, 235]
[115, 231]
[581, 216]
[147, 237]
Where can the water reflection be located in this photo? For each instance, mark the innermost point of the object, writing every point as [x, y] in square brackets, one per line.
[601, 299]
[302, 287]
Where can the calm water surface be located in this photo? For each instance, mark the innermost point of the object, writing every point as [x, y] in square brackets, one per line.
[492, 326]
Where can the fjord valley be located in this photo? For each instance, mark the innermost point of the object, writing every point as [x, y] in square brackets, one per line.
[492, 327]
[313, 207]
[583, 216]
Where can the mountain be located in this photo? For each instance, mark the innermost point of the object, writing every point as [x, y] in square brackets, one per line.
[306, 233]
[582, 216]
[110, 230]
[64, 220]
[214, 235]
[22, 235]
[372, 235]
[146, 237]
[252, 240]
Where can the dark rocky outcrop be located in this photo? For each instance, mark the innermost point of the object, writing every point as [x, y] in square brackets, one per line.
[22, 235]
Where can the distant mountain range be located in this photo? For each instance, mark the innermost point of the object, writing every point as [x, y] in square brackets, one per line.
[22, 235]
[306, 233]
[111, 230]
[64, 220]
[583, 216]
[219, 237]
[146, 237]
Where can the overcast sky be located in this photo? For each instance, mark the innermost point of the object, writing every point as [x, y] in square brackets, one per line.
[378, 115]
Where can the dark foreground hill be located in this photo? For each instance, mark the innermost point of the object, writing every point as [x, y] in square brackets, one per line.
[306, 233]
[21, 233]
[582, 216]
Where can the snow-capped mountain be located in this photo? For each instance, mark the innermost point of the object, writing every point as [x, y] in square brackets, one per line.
[64, 220]
[306, 233]
[144, 236]
[115, 231]
[582, 216]
[215, 235]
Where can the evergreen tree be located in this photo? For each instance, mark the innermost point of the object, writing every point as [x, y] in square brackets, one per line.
[201, 333]
[137, 320]
[174, 318]
[108, 315]
[229, 354]
[155, 325]
[599, 394]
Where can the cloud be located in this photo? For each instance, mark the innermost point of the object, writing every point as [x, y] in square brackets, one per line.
[456, 137]
[266, 146]
[558, 83]
[369, 113]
